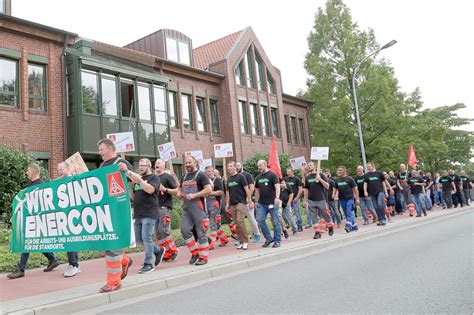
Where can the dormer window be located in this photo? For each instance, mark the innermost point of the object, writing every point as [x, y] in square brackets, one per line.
[178, 51]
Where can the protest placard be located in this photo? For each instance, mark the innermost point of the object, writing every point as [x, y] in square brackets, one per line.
[77, 164]
[167, 151]
[123, 141]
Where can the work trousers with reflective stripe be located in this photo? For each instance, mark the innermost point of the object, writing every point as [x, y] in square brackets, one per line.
[193, 216]
[319, 215]
[114, 261]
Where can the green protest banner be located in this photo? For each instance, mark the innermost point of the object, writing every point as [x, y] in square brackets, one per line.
[89, 211]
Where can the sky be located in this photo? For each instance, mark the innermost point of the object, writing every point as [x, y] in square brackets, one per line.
[434, 50]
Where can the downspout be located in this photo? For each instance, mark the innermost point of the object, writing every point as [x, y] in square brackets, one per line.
[63, 77]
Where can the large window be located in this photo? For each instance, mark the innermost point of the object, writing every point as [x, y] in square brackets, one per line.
[36, 87]
[174, 122]
[159, 97]
[287, 127]
[294, 130]
[2, 6]
[8, 82]
[260, 73]
[302, 131]
[275, 125]
[254, 119]
[239, 73]
[109, 95]
[270, 84]
[90, 101]
[215, 117]
[265, 123]
[187, 112]
[177, 51]
[244, 125]
[127, 93]
[201, 114]
[250, 77]
[144, 106]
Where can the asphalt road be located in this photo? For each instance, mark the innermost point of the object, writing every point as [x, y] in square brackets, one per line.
[428, 269]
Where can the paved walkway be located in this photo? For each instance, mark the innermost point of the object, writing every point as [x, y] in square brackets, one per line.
[92, 277]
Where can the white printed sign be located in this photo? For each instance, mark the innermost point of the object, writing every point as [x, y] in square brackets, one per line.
[167, 151]
[223, 150]
[298, 163]
[77, 164]
[198, 155]
[204, 164]
[123, 141]
[319, 153]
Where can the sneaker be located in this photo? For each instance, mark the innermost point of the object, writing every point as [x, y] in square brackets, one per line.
[193, 259]
[366, 222]
[146, 269]
[201, 262]
[159, 256]
[256, 239]
[355, 228]
[418, 215]
[245, 246]
[383, 223]
[294, 232]
[267, 243]
[240, 246]
[237, 243]
[51, 265]
[125, 268]
[173, 257]
[379, 223]
[317, 235]
[71, 271]
[16, 274]
[331, 231]
[285, 232]
[109, 288]
[300, 229]
[307, 226]
[348, 229]
[276, 244]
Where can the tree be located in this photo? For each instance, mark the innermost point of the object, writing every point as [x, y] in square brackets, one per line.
[390, 119]
[13, 164]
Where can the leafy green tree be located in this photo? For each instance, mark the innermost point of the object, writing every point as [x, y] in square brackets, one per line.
[13, 164]
[250, 165]
[390, 119]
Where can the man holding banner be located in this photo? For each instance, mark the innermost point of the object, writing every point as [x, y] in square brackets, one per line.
[116, 261]
[33, 174]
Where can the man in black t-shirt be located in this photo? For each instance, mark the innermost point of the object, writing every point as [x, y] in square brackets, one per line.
[250, 212]
[366, 205]
[267, 196]
[238, 199]
[458, 197]
[466, 187]
[375, 188]
[33, 174]
[332, 203]
[145, 191]
[315, 201]
[447, 187]
[168, 189]
[345, 190]
[213, 203]
[417, 183]
[195, 186]
[294, 183]
[114, 276]
[286, 197]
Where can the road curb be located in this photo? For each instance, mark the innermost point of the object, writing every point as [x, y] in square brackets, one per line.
[82, 298]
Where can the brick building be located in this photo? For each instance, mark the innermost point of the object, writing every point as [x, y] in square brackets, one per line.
[158, 87]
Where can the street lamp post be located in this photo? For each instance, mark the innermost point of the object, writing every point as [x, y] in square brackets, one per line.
[359, 127]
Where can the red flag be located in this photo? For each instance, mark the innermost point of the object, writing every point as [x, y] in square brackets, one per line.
[273, 161]
[411, 157]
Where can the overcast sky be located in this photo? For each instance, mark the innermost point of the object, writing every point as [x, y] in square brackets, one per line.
[434, 51]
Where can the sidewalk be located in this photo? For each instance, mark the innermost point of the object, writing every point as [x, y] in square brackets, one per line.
[40, 292]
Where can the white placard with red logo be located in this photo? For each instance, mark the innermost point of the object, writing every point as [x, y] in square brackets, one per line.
[298, 163]
[167, 151]
[204, 164]
[198, 155]
[223, 150]
[319, 153]
[123, 141]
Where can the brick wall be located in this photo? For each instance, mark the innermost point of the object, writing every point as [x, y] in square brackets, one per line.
[26, 129]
